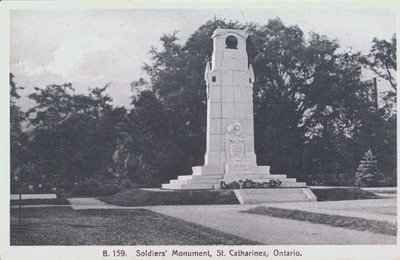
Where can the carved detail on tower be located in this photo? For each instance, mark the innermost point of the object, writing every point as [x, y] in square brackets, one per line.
[235, 142]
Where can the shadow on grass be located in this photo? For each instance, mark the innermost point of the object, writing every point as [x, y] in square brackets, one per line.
[59, 201]
[334, 194]
[64, 226]
[375, 226]
[141, 197]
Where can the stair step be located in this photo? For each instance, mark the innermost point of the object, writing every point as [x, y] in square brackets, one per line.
[254, 177]
[193, 177]
[196, 181]
[169, 186]
[197, 186]
[178, 181]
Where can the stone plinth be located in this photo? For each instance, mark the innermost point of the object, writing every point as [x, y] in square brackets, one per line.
[257, 196]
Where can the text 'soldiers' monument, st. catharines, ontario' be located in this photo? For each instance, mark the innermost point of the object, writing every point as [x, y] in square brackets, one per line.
[230, 152]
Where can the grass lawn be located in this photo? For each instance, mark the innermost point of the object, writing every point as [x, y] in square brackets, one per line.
[143, 197]
[59, 201]
[331, 194]
[381, 227]
[64, 226]
[140, 197]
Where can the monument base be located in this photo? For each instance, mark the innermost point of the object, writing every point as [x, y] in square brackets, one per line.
[210, 177]
[257, 196]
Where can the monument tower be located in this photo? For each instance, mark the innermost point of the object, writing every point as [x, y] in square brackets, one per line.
[230, 152]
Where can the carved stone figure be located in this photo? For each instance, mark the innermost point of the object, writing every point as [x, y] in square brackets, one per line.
[235, 142]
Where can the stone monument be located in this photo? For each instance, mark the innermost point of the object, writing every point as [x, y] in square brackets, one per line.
[230, 152]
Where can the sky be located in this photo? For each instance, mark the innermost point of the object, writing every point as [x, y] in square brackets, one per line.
[93, 47]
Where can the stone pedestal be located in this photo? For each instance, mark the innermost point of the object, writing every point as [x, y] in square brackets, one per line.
[257, 196]
[230, 152]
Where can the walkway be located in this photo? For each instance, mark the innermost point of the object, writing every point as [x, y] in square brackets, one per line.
[266, 229]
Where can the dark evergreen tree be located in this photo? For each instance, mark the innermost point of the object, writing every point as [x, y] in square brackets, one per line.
[367, 173]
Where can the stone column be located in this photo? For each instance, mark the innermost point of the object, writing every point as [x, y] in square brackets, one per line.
[230, 80]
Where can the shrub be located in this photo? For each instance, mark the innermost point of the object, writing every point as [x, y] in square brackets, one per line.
[94, 187]
[249, 184]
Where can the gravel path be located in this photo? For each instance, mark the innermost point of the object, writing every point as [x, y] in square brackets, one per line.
[270, 230]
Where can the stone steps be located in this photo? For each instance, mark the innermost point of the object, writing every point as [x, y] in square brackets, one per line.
[195, 181]
[184, 186]
[211, 184]
[213, 181]
[209, 177]
[255, 177]
[199, 177]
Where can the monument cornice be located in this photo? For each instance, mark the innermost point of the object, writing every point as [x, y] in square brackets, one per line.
[223, 31]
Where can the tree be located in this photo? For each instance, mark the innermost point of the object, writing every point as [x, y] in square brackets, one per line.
[367, 173]
[382, 60]
[303, 90]
[18, 141]
[74, 136]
